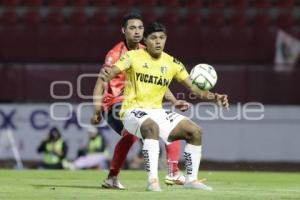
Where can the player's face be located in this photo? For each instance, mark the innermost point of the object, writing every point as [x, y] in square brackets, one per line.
[155, 43]
[134, 31]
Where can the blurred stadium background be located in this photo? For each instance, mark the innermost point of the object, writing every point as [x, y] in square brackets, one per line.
[42, 41]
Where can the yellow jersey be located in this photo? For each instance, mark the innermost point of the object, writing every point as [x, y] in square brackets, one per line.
[147, 79]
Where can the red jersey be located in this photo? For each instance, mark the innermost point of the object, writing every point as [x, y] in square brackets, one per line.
[115, 87]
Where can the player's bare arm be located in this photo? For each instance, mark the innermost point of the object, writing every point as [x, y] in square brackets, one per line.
[105, 75]
[181, 105]
[220, 99]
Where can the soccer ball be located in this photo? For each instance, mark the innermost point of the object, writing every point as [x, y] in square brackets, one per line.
[204, 76]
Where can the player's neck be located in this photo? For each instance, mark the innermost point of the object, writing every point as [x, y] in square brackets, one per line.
[131, 46]
[153, 55]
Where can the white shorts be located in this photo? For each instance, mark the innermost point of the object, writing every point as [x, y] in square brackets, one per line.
[165, 119]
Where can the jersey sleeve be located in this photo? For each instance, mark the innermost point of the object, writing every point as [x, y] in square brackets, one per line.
[124, 62]
[112, 57]
[181, 73]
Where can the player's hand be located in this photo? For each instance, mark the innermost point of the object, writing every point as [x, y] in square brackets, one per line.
[96, 118]
[105, 72]
[222, 100]
[182, 105]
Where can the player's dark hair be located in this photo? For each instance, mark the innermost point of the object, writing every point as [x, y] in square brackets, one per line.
[129, 16]
[154, 27]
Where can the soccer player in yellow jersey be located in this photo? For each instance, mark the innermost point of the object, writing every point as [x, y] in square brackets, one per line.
[148, 74]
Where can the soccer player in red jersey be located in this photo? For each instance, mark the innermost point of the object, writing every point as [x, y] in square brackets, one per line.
[133, 31]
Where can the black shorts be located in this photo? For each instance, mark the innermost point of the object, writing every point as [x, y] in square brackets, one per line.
[112, 117]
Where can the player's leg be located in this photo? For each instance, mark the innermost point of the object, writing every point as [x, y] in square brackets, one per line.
[140, 123]
[150, 133]
[118, 160]
[121, 149]
[120, 153]
[173, 153]
[192, 134]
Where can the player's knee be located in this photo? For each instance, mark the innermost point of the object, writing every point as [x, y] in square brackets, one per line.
[195, 135]
[150, 130]
[198, 134]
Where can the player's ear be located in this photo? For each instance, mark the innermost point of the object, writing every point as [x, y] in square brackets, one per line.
[123, 30]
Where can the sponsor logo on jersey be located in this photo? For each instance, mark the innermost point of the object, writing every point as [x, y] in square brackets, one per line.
[157, 80]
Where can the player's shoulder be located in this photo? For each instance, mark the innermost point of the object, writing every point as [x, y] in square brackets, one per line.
[132, 55]
[114, 54]
[135, 52]
[171, 59]
[118, 47]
